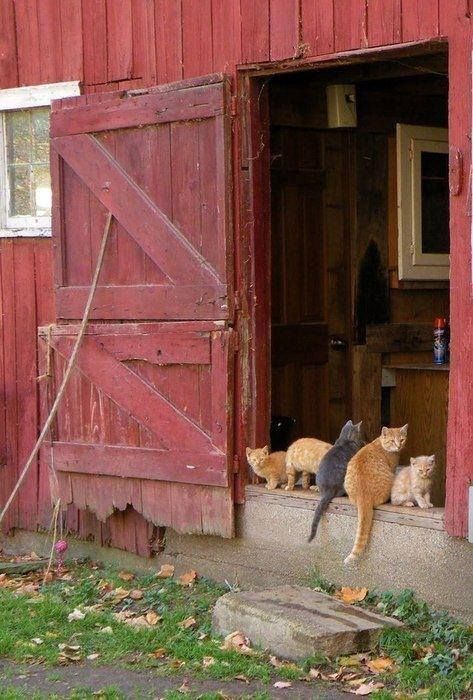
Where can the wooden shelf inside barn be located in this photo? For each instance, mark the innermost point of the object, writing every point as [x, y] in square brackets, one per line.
[420, 367]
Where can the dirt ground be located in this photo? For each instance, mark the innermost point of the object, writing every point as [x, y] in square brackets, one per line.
[61, 681]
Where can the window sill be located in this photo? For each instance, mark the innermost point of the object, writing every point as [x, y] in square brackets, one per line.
[430, 519]
[25, 233]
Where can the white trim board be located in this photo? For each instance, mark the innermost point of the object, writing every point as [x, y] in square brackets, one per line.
[36, 95]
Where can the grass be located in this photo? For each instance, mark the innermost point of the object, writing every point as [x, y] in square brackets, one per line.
[433, 653]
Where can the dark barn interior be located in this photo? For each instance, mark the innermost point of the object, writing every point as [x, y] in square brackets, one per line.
[334, 247]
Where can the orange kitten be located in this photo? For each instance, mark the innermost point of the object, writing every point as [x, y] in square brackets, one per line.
[369, 478]
[412, 484]
[304, 456]
[271, 467]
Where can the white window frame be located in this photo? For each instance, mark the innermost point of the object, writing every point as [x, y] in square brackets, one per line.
[411, 142]
[14, 99]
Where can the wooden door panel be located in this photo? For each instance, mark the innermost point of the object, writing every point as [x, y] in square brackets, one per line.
[147, 403]
[159, 162]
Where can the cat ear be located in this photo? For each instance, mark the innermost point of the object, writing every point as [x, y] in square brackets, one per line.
[248, 451]
[384, 430]
[358, 425]
[265, 450]
[349, 423]
[413, 461]
[431, 459]
[403, 430]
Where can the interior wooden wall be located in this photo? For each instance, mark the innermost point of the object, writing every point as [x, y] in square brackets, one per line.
[108, 45]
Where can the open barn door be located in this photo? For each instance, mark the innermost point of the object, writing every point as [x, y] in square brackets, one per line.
[147, 418]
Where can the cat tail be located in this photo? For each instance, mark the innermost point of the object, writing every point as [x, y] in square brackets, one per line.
[365, 522]
[319, 511]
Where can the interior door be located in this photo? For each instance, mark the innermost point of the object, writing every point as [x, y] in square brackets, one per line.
[147, 417]
[310, 289]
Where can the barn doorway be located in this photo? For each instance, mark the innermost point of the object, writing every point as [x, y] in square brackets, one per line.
[351, 326]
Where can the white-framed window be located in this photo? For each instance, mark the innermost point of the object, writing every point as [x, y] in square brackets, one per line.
[423, 203]
[25, 183]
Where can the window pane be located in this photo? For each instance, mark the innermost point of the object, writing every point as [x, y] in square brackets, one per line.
[27, 145]
[19, 181]
[42, 190]
[435, 204]
[18, 133]
[40, 129]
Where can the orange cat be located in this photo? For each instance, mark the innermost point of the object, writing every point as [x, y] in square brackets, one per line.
[304, 456]
[369, 479]
[271, 467]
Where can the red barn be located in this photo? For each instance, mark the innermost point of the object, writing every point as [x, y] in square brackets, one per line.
[289, 183]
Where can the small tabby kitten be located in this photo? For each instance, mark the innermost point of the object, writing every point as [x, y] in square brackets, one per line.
[333, 468]
[412, 484]
[304, 456]
[369, 478]
[271, 467]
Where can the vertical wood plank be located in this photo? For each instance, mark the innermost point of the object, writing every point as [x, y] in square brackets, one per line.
[3, 388]
[255, 30]
[95, 36]
[420, 19]
[284, 36]
[27, 39]
[120, 40]
[317, 26]
[7, 262]
[8, 52]
[144, 41]
[71, 40]
[384, 22]
[196, 37]
[350, 24]
[457, 26]
[226, 35]
[50, 41]
[168, 23]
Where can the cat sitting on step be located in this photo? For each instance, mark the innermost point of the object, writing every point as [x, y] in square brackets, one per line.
[369, 479]
[413, 484]
[271, 467]
[333, 467]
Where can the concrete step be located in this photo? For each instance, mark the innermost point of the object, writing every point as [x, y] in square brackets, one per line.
[293, 622]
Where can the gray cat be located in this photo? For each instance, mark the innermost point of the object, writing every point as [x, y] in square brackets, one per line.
[333, 467]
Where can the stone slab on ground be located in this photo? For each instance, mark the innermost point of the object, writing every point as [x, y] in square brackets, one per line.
[293, 622]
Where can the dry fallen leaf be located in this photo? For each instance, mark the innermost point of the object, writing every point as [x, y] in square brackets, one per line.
[380, 664]
[158, 653]
[136, 594]
[282, 684]
[166, 571]
[347, 661]
[208, 661]
[152, 618]
[241, 677]
[188, 578]
[76, 614]
[188, 622]
[69, 652]
[367, 688]
[126, 575]
[351, 595]
[184, 688]
[236, 641]
[92, 657]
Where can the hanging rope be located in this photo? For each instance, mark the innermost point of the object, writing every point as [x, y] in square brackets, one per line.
[67, 373]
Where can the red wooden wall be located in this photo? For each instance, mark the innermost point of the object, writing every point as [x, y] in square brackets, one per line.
[108, 45]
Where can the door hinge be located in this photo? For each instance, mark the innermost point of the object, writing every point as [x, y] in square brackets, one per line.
[236, 464]
[233, 105]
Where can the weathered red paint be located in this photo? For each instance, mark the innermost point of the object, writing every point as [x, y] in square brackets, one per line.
[136, 43]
